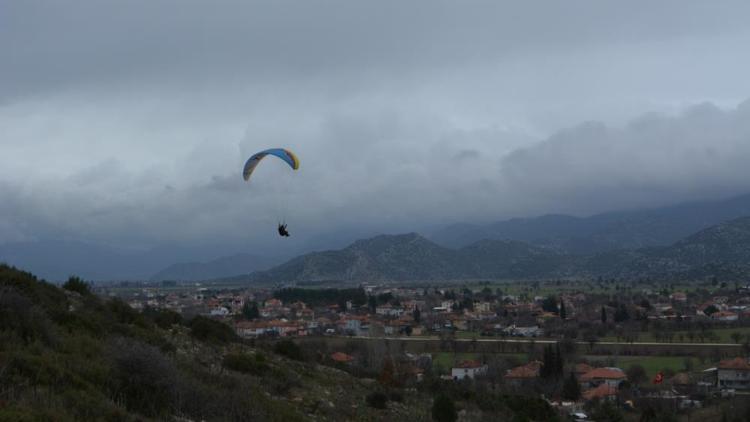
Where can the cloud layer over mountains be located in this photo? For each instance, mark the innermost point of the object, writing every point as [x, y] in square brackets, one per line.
[127, 124]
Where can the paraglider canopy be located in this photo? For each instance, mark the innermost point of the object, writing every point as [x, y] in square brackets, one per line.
[284, 154]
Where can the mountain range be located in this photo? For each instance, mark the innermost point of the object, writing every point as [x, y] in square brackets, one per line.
[602, 232]
[559, 241]
[723, 249]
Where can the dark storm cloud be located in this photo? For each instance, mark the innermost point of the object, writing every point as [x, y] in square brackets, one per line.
[656, 159]
[128, 122]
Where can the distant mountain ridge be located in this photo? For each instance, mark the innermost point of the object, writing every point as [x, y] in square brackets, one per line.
[722, 249]
[217, 268]
[602, 232]
[413, 257]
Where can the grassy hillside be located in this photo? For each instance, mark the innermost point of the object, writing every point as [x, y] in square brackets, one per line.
[68, 355]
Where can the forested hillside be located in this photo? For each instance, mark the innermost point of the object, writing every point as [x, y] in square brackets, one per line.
[66, 354]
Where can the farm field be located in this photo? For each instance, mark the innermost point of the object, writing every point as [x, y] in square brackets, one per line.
[651, 364]
[723, 335]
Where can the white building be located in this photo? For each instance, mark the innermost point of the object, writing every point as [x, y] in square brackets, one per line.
[733, 373]
[468, 369]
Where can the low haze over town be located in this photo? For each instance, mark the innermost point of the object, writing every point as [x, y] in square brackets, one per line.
[363, 211]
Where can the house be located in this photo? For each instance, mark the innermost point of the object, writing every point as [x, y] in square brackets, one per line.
[219, 311]
[468, 369]
[582, 368]
[602, 392]
[532, 331]
[524, 373]
[251, 328]
[725, 316]
[612, 377]
[733, 373]
[679, 297]
[389, 310]
[482, 306]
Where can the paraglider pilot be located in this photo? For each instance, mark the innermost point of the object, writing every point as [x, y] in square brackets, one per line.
[282, 230]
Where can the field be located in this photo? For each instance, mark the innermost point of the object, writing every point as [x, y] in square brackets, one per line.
[724, 335]
[652, 364]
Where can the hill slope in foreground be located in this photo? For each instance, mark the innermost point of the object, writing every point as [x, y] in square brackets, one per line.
[71, 356]
[68, 355]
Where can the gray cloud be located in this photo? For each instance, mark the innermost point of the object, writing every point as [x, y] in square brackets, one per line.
[128, 123]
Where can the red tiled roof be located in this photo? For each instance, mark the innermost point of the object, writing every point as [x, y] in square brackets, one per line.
[601, 391]
[723, 314]
[469, 364]
[342, 357]
[736, 363]
[530, 370]
[603, 373]
[582, 368]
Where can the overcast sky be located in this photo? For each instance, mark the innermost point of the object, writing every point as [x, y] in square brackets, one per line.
[127, 123]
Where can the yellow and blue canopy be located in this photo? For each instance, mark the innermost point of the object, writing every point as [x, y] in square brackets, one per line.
[284, 154]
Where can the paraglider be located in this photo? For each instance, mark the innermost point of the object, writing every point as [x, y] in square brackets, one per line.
[286, 156]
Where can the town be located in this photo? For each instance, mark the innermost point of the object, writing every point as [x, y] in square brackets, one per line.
[585, 346]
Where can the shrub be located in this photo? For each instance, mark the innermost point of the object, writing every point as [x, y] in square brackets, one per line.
[163, 318]
[143, 377]
[443, 409]
[396, 396]
[376, 400]
[289, 349]
[206, 329]
[75, 284]
[254, 365]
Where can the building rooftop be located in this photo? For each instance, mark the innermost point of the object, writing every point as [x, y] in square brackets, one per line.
[601, 391]
[530, 370]
[604, 373]
[736, 363]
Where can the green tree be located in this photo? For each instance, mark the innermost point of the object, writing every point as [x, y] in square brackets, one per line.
[443, 409]
[289, 349]
[551, 362]
[736, 336]
[372, 303]
[607, 411]
[250, 310]
[621, 313]
[549, 304]
[571, 389]
[712, 309]
[209, 330]
[636, 374]
[377, 400]
[76, 284]
[563, 313]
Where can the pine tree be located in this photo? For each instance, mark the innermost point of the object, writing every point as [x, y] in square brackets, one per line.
[558, 361]
[604, 315]
[563, 314]
[546, 363]
[417, 315]
[443, 409]
[571, 389]
[250, 310]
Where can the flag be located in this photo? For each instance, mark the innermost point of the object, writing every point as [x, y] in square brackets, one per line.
[658, 378]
